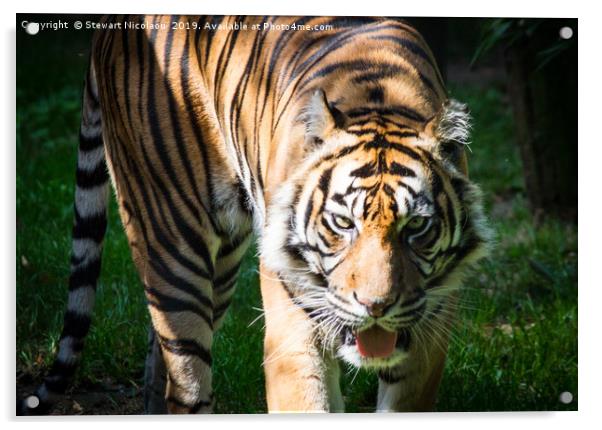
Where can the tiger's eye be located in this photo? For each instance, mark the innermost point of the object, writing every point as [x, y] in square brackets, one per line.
[416, 222]
[342, 222]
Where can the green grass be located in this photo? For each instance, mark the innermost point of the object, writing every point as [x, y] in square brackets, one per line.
[514, 348]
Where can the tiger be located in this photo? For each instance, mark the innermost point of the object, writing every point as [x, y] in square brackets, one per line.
[331, 142]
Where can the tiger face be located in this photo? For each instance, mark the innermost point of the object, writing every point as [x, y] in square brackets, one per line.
[372, 233]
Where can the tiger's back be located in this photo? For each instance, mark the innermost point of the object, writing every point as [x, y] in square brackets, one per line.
[229, 99]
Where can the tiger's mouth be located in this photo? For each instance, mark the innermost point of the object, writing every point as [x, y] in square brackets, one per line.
[376, 342]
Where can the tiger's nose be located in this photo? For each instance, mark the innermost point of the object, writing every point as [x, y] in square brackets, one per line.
[376, 307]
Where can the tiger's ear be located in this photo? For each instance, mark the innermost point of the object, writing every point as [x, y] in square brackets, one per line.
[451, 130]
[321, 118]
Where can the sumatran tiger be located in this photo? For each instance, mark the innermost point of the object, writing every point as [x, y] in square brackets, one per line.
[334, 143]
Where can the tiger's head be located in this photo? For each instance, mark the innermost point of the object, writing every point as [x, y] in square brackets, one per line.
[373, 231]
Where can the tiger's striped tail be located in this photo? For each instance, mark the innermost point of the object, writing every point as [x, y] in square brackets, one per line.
[90, 222]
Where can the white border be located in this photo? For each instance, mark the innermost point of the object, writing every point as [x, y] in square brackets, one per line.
[589, 154]
[455, 8]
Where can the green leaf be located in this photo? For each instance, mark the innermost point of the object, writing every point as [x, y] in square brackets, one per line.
[494, 33]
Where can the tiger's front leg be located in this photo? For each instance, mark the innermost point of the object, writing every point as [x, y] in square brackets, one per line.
[182, 318]
[300, 377]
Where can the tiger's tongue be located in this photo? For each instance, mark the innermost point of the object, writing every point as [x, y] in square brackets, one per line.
[376, 342]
